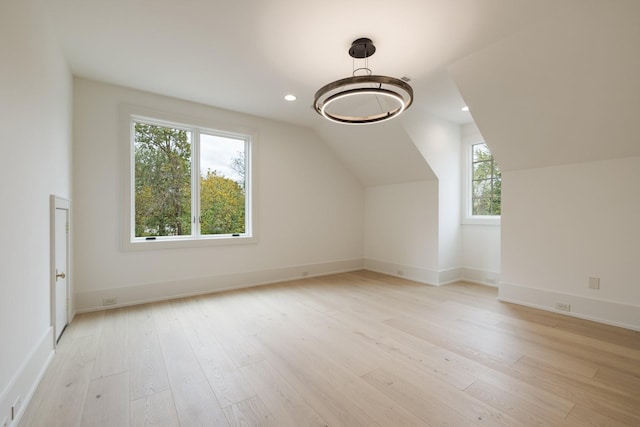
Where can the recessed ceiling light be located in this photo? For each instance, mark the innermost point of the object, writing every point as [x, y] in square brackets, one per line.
[290, 97]
[465, 108]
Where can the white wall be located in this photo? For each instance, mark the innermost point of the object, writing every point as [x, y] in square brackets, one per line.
[35, 138]
[480, 242]
[558, 103]
[439, 143]
[412, 229]
[310, 209]
[564, 224]
[401, 230]
[481, 253]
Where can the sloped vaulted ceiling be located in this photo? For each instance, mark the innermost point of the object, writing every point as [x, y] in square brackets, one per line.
[565, 90]
[378, 155]
[245, 55]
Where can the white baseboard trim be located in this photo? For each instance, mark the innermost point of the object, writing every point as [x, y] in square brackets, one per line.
[608, 312]
[161, 291]
[26, 379]
[417, 274]
[449, 276]
[481, 277]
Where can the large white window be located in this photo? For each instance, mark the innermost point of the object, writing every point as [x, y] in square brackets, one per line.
[187, 185]
[482, 185]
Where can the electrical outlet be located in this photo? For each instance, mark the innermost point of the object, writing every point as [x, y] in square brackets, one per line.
[563, 307]
[594, 283]
[492, 281]
[109, 301]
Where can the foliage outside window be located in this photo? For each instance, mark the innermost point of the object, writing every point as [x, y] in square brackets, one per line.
[188, 182]
[486, 182]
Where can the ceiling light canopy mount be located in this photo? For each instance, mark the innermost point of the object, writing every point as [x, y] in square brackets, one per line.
[362, 48]
[363, 98]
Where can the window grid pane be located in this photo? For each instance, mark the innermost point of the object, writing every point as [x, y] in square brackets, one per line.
[485, 182]
[162, 181]
[222, 185]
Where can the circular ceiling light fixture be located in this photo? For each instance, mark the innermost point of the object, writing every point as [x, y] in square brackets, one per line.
[363, 98]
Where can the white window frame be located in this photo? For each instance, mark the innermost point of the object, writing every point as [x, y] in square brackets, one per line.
[130, 114]
[467, 205]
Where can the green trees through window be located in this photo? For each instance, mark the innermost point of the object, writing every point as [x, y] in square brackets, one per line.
[486, 182]
[163, 181]
[172, 200]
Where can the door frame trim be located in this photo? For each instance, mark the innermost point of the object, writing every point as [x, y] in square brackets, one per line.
[55, 203]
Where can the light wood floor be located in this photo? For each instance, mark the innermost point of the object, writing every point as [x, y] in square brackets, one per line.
[356, 349]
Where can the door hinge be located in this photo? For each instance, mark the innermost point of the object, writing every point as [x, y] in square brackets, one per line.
[67, 228]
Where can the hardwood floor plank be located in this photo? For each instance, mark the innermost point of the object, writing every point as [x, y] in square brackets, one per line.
[418, 400]
[324, 394]
[227, 381]
[107, 402]
[586, 417]
[518, 386]
[579, 354]
[313, 329]
[283, 401]
[147, 373]
[583, 391]
[248, 413]
[542, 349]
[113, 348]
[155, 409]
[516, 407]
[483, 348]
[195, 402]
[225, 325]
[326, 363]
[448, 366]
[351, 349]
[618, 379]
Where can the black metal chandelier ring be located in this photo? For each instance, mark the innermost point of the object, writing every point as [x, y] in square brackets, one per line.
[403, 95]
[389, 96]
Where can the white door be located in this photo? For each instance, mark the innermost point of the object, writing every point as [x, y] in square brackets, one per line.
[60, 265]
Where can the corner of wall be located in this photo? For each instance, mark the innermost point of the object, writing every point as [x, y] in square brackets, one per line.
[25, 381]
[422, 275]
[417, 274]
[481, 277]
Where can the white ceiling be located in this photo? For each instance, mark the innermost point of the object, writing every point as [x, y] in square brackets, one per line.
[566, 90]
[245, 55]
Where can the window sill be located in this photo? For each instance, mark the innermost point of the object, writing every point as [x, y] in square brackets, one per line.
[177, 243]
[481, 220]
